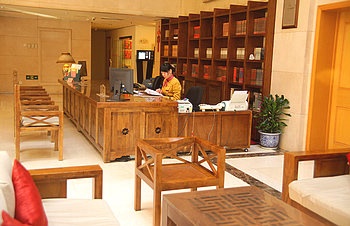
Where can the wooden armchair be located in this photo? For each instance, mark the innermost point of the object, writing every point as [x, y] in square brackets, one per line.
[38, 118]
[159, 165]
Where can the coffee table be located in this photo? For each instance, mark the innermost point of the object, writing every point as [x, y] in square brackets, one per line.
[231, 206]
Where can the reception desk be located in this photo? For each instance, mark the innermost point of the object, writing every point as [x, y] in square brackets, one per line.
[114, 127]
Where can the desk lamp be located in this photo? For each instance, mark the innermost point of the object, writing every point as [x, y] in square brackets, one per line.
[67, 59]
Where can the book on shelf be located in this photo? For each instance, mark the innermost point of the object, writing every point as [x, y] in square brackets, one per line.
[221, 73]
[256, 76]
[166, 50]
[225, 29]
[238, 73]
[196, 32]
[176, 33]
[241, 27]
[240, 52]
[253, 76]
[209, 52]
[259, 53]
[241, 75]
[206, 71]
[174, 50]
[195, 70]
[259, 77]
[259, 25]
[184, 69]
[223, 53]
[196, 52]
[166, 34]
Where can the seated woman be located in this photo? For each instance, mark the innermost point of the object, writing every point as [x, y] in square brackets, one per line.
[171, 87]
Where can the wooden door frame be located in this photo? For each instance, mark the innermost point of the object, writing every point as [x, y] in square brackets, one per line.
[322, 75]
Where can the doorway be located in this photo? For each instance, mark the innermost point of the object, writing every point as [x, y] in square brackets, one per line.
[329, 115]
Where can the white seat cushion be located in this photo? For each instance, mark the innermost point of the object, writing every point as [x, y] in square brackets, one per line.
[7, 193]
[327, 196]
[75, 212]
[50, 121]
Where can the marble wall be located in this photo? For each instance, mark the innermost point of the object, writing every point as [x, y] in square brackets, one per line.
[292, 69]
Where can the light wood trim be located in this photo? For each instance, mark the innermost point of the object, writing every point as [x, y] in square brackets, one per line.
[325, 160]
[52, 182]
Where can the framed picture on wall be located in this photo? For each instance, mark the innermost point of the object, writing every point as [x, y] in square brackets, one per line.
[290, 14]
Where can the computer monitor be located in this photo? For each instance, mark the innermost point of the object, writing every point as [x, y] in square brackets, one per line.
[145, 54]
[125, 76]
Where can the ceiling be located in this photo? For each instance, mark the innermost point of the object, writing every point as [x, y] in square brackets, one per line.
[102, 21]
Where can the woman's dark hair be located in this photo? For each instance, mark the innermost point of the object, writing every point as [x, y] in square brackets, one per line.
[166, 67]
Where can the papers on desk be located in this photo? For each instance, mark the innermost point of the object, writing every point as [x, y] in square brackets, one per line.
[152, 92]
[239, 96]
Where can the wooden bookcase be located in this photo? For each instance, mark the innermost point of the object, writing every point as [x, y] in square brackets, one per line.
[223, 49]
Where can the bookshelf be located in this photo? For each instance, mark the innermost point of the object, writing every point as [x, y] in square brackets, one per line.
[223, 49]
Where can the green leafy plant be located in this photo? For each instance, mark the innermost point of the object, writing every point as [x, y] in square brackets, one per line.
[272, 114]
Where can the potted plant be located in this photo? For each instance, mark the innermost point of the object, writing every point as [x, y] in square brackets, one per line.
[271, 120]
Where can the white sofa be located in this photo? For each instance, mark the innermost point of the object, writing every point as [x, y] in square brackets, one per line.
[59, 211]
[327, 194]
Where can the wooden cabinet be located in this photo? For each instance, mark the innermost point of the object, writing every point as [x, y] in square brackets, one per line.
[223, 49]
[230, 129]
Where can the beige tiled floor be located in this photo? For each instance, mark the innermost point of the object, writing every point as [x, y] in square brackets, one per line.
[118, 187]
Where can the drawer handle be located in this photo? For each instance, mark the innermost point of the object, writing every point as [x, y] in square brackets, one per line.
[158, 130]
[125, 131]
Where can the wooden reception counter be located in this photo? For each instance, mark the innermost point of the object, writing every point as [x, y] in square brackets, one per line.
[114, 127]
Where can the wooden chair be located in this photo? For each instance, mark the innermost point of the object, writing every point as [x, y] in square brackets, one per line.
[180, 173]
[38, 118]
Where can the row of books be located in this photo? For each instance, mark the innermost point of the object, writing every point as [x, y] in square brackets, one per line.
[259, 25]
[223, 53]
[240, 52]
[225, 29]
[238, 74]
[259, 53]
[256, 77]
[241, 27]
[195, 71]
[221, 73]
[207, 71]
[174, 50]
[175, 33]
[196, 32]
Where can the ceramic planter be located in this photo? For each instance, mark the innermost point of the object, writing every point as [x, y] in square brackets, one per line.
[269, 140]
